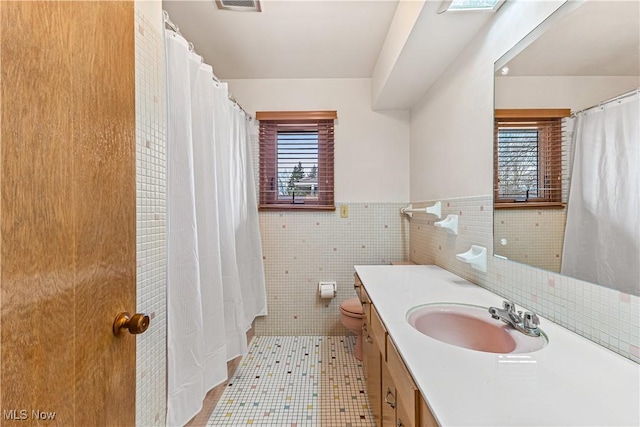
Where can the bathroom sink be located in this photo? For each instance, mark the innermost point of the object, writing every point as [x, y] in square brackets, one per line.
[471, 326]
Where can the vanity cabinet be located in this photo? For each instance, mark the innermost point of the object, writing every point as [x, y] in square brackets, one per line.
[389, 399]
[426, 417]
[371, 356]
[406, 392]
[394, 398]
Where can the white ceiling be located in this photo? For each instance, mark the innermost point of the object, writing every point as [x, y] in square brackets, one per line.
[345, 38]
[331, 39]
[600, 38]
[288, 39]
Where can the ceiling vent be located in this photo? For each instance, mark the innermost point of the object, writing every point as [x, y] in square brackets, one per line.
[239, 5]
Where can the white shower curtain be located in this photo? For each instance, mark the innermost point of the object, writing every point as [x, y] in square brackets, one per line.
[602, 236]
[207, 310]
[244, 296]
[245, 214]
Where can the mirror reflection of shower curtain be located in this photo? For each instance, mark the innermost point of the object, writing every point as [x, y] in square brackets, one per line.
[210, 305]
[602, 235]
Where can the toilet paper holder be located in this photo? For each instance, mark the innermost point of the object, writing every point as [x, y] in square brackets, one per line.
[327, 289]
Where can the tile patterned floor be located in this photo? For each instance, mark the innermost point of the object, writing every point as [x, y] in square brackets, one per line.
[294, 382]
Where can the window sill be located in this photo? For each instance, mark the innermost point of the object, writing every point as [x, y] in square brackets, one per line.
[529, 205]
[296, 207]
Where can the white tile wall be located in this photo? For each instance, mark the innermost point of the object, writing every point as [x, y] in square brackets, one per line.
[608, 317]
[302, 248]
[533, 236]
[151, 217]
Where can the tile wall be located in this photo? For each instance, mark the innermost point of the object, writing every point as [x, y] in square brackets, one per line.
[608, 317]
[532, 236]
[151, 220]
[302, 248]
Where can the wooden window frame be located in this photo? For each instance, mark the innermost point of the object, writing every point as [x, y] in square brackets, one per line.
[548, 122]
[273, 122]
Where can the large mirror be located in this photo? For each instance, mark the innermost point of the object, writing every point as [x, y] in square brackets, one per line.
[566, 145]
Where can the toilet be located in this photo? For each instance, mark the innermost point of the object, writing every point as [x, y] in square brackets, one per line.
[351, 317]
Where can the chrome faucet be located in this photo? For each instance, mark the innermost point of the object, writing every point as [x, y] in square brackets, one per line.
[526, 323]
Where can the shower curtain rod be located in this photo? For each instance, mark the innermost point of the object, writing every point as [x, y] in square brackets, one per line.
[173, 27]
[608, 101]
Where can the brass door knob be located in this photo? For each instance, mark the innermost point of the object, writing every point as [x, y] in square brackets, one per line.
[136, 324]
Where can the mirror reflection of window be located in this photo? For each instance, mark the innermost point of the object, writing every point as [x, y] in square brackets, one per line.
[519, 163]
[529, 149]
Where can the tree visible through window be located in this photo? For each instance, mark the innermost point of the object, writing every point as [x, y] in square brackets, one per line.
[296, 160]
[518, 163]
[297, 165]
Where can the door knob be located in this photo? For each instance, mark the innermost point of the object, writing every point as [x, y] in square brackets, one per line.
[136, 324]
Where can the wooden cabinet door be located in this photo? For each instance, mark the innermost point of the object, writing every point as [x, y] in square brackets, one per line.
[67, 212]
[372, 363]
[406, 391]
[405, 418]
[426, 417]
[389, 401]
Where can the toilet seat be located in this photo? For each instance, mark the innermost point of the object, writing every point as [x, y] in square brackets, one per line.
[352, 308]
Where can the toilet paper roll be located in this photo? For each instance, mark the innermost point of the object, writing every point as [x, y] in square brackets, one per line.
[327, 290]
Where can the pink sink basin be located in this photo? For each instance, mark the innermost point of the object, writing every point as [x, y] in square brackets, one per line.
[471, 326]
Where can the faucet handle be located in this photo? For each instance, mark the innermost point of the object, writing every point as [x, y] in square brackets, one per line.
[509, 306]
[494, 313]
[531, 320]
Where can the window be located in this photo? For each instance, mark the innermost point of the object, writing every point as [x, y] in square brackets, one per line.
[470, 5]
[296, 159]
[528, 157]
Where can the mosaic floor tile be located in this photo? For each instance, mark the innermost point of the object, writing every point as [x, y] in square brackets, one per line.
[304, 381]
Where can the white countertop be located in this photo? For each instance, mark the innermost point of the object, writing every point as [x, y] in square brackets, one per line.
[572, 381]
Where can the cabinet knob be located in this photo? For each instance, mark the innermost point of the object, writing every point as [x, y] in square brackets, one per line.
[386, 399]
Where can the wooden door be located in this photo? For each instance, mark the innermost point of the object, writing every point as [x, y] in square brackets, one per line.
[67, 212]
